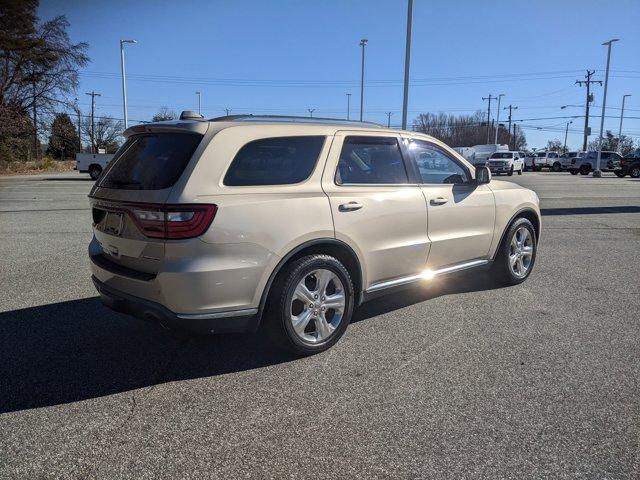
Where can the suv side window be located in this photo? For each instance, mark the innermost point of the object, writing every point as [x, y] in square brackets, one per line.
[435, 165]
[371, 160]
[553, 155]
[274, 161]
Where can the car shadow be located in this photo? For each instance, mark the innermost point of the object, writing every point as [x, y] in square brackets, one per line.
[67, 179]
[590, 210]
[76, 350]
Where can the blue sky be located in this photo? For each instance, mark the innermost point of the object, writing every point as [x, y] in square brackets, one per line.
[285, 56]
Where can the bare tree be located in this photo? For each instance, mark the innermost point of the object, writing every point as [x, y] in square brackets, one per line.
[164, 114]
[463, 130]
[106, 134]
[38, 65]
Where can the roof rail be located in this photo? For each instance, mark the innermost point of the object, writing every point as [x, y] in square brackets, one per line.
[291, 118]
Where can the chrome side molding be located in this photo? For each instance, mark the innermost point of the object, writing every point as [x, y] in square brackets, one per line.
[426, 275]
[209, 316]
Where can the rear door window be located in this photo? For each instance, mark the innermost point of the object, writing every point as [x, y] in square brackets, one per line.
[275, 161]
[371, 160]
[150, 161]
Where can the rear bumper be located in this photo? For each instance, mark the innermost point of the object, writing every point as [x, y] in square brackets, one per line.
[237, 321]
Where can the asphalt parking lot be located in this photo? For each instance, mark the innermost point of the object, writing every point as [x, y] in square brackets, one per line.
[458, 380]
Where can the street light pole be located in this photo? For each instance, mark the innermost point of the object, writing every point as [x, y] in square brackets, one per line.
[624, 97]
[311, 110]
[597, 172]
[389, 119]
[227, 111]
[566, 131]
[407, 64]
[498, 119]
[124, 81]
[348, 104]
[363, 43]
[490, 97]
[199, 94]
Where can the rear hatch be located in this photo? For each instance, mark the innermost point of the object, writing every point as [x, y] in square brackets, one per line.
[128, 202]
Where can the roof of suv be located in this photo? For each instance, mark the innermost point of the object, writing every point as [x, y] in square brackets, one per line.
[201, 125]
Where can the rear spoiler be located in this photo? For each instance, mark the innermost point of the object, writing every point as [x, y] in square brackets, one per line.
[172, 126]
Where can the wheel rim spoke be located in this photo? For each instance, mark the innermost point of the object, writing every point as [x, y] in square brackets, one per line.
[303, 294]
[301, 321]
[323, 278]
[323, 328]
[335, 301]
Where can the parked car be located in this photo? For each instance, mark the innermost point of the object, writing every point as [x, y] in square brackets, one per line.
[481, 153]
[506, 162]
[628, 166]
[565, 159]
[92, 163]
[587, 163]
[219, 225]
[546, 160]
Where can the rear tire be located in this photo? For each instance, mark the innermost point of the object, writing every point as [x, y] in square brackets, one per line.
[312, 303]
[556, 167]
[619, 173]
[519, 243]
[635, 172]
[520, 171]
[585, 169]
[95, 171]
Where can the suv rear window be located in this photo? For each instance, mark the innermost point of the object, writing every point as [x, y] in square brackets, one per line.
[502, 155]
[150, 161]
[274, 161]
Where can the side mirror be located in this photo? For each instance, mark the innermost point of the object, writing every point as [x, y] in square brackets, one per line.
[483, 175]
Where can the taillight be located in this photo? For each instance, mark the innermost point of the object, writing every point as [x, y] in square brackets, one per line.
[172, 221]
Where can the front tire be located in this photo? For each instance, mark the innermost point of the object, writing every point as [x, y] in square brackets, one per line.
[517, 253]
[619, 173]
[556, 167]
[313, 303]
[635, 172]
[573, 172]
[510, 173]
[585, 169]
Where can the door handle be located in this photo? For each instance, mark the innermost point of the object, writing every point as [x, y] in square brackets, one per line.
[439, 201]
[350, 207]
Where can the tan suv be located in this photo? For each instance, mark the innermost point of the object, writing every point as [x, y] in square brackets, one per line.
[217, 225]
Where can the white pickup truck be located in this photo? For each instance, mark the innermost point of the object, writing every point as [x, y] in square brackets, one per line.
[93, 163]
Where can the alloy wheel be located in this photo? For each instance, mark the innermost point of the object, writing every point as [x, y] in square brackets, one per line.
[521, 252]
[317, 306]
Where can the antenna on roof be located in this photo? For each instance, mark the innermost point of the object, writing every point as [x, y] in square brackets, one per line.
[190, 115]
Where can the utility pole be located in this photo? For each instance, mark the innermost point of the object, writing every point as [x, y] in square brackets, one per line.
[389, 119]
[77, 109]
[566, 132]
[597, 172]
[311, 110]
[510, 107]
[227, 111]
[124, 81]
[348, 104]
[488, 116]
[199, 94]
[407, 64]
[498, 118]
[93, 110]
[624, 97]
[587, 83]
[363, 43]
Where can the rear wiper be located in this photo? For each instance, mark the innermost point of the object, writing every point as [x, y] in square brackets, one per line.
[121, 183]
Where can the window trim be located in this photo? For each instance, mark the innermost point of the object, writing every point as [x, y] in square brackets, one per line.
[416, 169]
[403, 156]
[311, 172]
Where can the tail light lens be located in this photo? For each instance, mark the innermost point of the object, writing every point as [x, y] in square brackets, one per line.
[173, 222]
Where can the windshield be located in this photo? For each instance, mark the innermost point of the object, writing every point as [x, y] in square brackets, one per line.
[541, 154]
[502, 155]
[150, 161]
